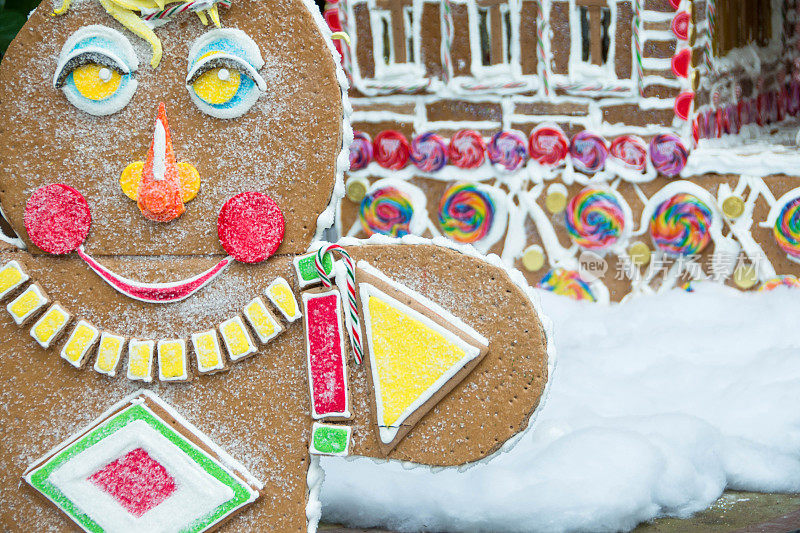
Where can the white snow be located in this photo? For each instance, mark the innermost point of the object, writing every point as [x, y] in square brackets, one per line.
[658, 405]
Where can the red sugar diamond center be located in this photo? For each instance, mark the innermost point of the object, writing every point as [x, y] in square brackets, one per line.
[136, 480]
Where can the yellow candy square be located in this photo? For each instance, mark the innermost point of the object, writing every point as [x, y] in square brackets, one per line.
[79, 343]
[261, 320]
[140, 360]
[109, 352]
[11, 276]
[280, 294]
[172, 360]
[50, 325]
[237, 340]
[207, 351]
[26, 304]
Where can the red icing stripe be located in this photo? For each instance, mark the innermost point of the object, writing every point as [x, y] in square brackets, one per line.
[155, 292]
[325, 354]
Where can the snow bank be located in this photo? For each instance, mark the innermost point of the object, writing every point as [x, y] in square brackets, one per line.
[656, 407]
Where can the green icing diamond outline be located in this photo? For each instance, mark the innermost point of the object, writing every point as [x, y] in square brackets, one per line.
[307, 266]
[40, 478]
[328, 439]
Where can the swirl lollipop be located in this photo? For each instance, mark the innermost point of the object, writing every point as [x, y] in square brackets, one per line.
[507, 149]
[567, 283]
[360, 151]
[467, 149]
[588, 152]
[787, 229]
[595, 219]
[387, 211]
[780, 281]
[429, 152]
[681, 225]
[391, 150]
[668, 154]
[548, 145]
[466, 213]
[629, 151]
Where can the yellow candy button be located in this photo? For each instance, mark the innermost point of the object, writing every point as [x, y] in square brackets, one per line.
[745, 276]
[130, 179]
[733, 207]
[190, 180]
[356, 189]
[639, 253]
[533, 258]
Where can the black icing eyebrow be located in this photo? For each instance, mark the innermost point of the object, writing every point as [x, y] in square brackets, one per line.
[240, 65]
[87, 58]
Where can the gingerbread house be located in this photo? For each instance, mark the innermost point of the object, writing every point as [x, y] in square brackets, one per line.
[604, 147]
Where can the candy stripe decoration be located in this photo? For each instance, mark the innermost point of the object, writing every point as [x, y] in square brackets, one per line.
[328, 439]
[548, 145]
[567, 283]
[140, 467]
[467, 149]
[429, 152]
[466, 213]
[391, 150]
[327, 366]
[787, 229]
[354, 324]
[386, 211]
[681, 225]
[595, 219]
[668, 154]
[507, 150]
[360, 151]
[629, 151]
[588, 152]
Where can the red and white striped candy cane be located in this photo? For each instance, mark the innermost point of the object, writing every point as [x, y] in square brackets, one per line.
[355, 326]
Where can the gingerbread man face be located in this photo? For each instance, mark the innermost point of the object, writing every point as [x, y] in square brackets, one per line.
[157, 152]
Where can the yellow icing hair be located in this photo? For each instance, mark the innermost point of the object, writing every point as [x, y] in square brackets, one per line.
[124, 11]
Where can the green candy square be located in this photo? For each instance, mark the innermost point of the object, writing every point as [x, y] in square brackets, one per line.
[307, 268]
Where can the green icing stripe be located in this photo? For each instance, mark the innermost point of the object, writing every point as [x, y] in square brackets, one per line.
[330, 440]
[308, 268]
[40, 478]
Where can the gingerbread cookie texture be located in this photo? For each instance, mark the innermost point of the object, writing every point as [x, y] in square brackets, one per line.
[551, 133]
[141, 466]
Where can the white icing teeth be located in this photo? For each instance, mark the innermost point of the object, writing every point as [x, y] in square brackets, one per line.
[109, 353]
[236, 338]
[12, 276]
[140, 360]
[207, 352]
[50, 325]
[25, 306]
[264, 324]
[173, 364]
[280, 294]
[79, 343]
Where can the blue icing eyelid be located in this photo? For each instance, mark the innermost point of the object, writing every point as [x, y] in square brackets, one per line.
[109, 46]
[225, 45]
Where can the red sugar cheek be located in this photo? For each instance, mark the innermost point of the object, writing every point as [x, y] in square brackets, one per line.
[250, 227]
[57, 218]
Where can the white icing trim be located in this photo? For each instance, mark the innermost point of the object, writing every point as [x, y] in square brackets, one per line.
[220, 358]
[307, 297]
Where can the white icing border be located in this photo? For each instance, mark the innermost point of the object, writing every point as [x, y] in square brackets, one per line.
[306, 297]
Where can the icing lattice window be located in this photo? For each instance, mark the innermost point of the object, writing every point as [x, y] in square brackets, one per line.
[741, 23]
[595, 24]
[394, 24]
[494, 29]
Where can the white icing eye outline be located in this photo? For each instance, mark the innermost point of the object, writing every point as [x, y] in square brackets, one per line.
[228, 52]
[103, 47]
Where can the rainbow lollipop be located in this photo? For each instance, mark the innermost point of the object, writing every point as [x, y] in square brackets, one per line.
[548, 145]
[595, 219]
[780, 281]
[567, 283]
[467, 149]
[588, 152]
[360, 151]
[787, 228]
[387, 211]
[466, 213]
[668, 154]
[507, 150]
[681, 225]
[429, 152]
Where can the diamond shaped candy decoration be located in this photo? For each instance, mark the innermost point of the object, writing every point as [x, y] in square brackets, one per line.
[142, 467]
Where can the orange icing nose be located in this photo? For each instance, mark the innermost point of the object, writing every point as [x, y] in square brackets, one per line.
[159, 195]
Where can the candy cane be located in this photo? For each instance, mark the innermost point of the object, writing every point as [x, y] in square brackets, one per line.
[447, 40]
[355, 325]
[177, 9]
[540, 47]
[711, 25]
[637, 41]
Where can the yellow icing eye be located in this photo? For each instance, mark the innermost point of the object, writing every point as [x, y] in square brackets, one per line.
[217, 86]
[96, 82]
